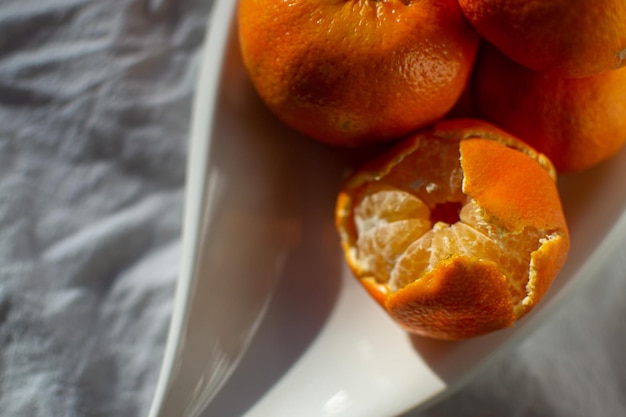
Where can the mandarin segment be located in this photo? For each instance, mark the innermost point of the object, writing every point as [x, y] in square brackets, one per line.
[387, 221]
[378, 248]
[440, 178]
[479, 267]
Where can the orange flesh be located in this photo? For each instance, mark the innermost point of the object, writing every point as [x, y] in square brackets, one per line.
[419, 215]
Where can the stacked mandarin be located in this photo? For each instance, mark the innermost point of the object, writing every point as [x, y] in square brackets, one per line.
[456, 229]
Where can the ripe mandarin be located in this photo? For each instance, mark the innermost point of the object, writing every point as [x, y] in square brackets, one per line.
[457, 231]
[354, 72]
[577, 123]
[562, 37]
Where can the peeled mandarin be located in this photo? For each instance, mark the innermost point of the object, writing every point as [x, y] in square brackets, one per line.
[456, 231]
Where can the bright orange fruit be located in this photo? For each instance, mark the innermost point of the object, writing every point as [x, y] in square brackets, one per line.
[457, 231]
[353, 72]
[577, 123]
[562, 37]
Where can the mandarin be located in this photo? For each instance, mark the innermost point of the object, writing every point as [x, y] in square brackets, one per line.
[577, 123]
[562, 37]
[456, 231]
[355, 72]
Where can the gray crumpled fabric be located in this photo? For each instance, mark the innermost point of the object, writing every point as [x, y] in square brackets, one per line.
[95, 99]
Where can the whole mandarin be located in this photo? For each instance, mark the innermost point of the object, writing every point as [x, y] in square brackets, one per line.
[355, 72]
[577, 123]
[561, 37]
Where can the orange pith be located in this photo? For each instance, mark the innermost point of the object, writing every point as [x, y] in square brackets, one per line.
[354, 72]
[480, 269]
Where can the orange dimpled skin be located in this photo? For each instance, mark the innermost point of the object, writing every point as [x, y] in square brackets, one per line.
[457, 231]
[562, 37]
[577, 123]
[463, 298]
[491, 186]
[354, 72]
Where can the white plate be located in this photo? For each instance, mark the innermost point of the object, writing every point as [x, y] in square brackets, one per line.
[324, 348]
